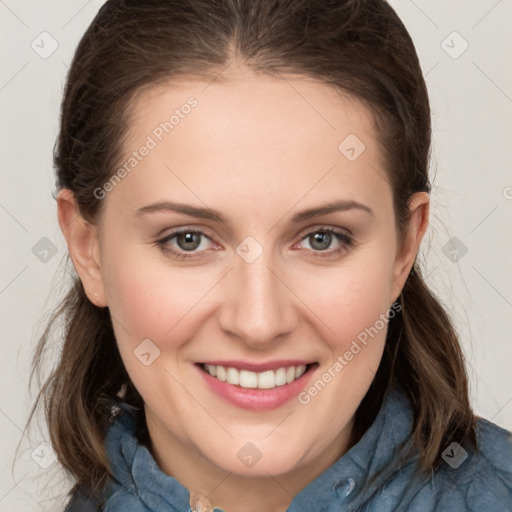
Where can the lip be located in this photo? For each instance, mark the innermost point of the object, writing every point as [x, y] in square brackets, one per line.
[253, 398]
[258, 367]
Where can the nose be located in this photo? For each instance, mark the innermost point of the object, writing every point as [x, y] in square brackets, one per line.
[258, 308]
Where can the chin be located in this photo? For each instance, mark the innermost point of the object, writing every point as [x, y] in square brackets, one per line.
[260, 457]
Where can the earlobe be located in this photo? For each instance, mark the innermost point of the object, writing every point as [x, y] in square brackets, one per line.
[419, 207]
[83, 245]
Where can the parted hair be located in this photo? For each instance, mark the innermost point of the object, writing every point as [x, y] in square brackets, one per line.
[359, 47]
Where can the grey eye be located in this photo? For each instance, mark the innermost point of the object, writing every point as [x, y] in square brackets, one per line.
[320, 241]
[188, 241]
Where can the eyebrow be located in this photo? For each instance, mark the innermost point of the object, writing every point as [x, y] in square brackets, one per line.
[193, 211]
[338, 206]
[210, 214]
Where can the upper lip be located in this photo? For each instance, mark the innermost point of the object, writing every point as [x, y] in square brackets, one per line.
[258, 367]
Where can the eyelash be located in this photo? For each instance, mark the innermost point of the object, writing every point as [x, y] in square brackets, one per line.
[346, 242]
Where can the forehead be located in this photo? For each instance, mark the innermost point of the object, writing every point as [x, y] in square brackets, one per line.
[250, 134]
[252, 109]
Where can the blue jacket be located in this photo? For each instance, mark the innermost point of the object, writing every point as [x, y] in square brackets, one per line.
[466, 481]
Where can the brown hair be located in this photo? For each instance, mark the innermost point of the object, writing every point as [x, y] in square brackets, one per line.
[360, 47]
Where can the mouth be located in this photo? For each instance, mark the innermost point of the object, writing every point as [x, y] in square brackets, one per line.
[247, 379]
[257, 386]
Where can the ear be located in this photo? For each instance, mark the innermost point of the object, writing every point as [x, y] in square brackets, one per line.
[83, 246]
[419, 207]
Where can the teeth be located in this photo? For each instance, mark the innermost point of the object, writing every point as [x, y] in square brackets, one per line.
[281, 377]
[221, 373]
[267, 380]
[264, 380]
[300, 371]
[233, 376]
[248, 379]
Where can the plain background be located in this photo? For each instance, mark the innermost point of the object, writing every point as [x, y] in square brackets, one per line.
[467, 254]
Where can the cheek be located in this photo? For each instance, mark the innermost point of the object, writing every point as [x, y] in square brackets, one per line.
[148, 298]
[351, 297]
[148, 303]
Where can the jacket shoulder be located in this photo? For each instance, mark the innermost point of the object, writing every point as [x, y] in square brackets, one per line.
[492, 472]
[81, 502]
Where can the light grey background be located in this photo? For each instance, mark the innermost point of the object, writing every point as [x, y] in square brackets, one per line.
[471, 97]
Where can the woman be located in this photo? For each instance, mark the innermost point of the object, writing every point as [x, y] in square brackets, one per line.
[243, 187]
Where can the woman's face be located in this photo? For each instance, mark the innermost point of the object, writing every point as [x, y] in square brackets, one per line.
[252, 239]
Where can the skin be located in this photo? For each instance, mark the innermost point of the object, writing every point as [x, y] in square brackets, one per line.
[258, 152]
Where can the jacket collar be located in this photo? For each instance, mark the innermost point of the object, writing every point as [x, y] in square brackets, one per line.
[385, 448]
[348, 483]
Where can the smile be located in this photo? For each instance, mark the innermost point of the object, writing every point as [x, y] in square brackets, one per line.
[256, 380]
[257, 387]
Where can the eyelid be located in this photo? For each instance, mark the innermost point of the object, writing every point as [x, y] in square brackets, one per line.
[346, 238]
[187, 229]
[346, 243]
[344, 232]
[163, 242]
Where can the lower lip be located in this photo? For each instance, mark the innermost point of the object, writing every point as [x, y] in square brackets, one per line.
[257, 399]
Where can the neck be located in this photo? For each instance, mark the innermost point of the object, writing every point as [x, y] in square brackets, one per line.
[232, 492]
